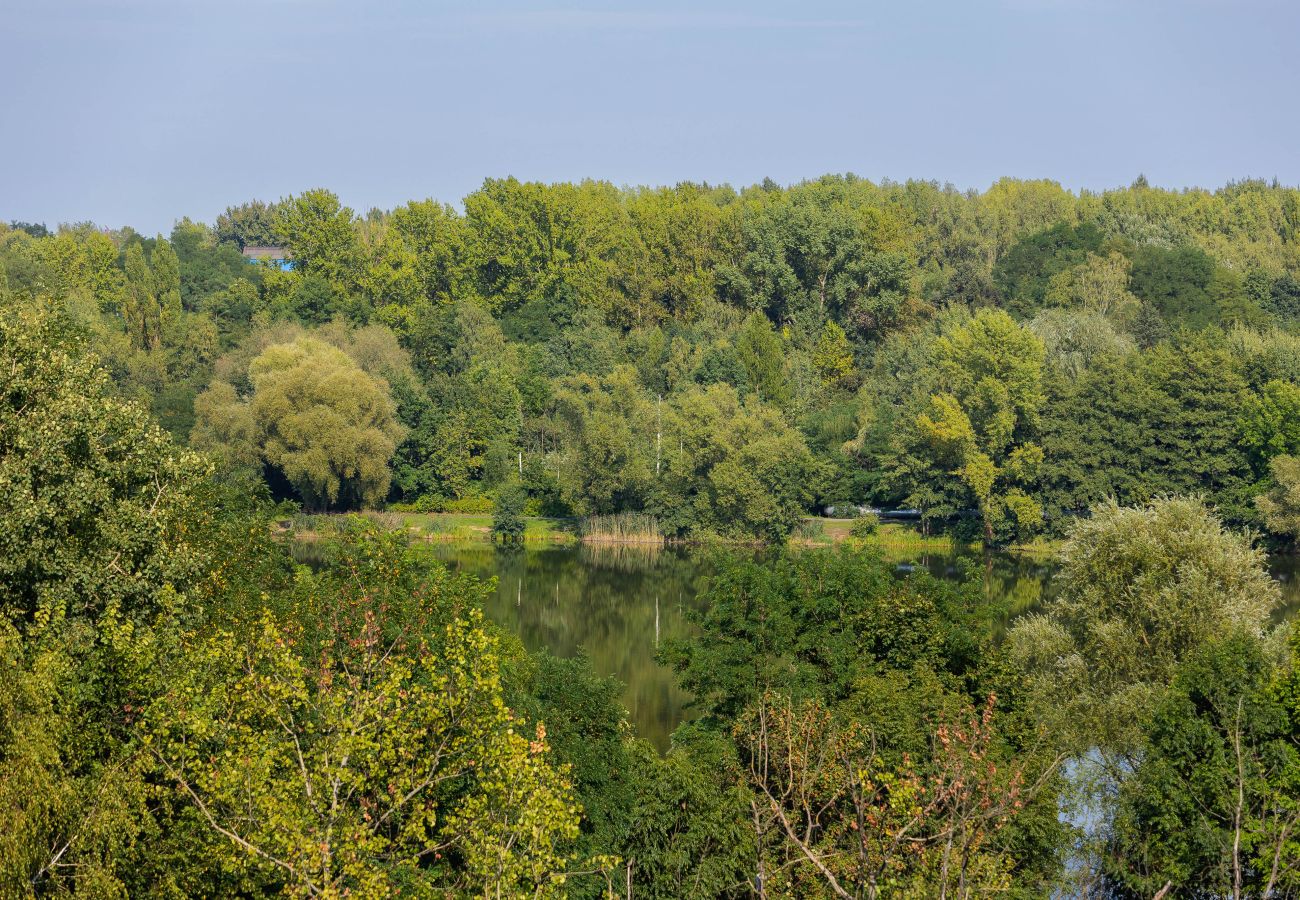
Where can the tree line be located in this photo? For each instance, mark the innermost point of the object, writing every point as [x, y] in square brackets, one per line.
[722, 360]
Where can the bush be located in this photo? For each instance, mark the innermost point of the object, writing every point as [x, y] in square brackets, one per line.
[865, 526]
[428, 503]
[467, 505]
[843, 509]
[508, 518]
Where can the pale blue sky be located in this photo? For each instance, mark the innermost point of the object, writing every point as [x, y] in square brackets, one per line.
[142, 111]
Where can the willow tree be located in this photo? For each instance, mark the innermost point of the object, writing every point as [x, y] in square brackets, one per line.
[1140, 589]
[314, 414]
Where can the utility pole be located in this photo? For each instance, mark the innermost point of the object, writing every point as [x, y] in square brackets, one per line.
[659, 430]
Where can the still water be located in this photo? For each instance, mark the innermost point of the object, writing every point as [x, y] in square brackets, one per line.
[617, 603]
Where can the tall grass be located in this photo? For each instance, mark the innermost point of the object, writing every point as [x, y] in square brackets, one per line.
[389, 521]
[809, 529]
[621, 528]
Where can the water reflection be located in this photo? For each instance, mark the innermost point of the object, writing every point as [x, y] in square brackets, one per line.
[613, 603]
[618, 603]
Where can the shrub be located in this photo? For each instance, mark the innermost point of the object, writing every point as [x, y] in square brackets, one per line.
[508, 517]
[865, 526]
[467, 505]
[843, 509]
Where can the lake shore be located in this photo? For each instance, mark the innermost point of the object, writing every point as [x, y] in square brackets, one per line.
[892, 538]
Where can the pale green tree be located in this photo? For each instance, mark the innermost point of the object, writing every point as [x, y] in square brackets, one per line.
[833, 355]
[1099, 285]
[1075, 339]
[167, 281]
[1139, 589]
[330, 427]
[1280, 506]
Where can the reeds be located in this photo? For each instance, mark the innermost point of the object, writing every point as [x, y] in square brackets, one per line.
[621, 528]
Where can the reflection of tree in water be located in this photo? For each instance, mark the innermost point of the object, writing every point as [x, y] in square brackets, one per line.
[1012, 584]
[611, 603]
[1286, 569]
[616, 602]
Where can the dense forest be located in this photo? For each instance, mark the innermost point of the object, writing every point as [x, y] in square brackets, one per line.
[187, 712]
[723, 361]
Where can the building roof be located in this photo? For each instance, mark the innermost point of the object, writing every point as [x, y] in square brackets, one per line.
[267, 253]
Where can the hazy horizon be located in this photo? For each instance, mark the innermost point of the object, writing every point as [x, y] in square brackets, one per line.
[137, 112]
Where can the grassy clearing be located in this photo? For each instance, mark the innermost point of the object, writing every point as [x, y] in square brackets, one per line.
[455, 528]
[904, 541]
[893, 538]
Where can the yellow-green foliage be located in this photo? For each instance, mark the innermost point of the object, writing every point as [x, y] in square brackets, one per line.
[366, 769]
[1139, 589]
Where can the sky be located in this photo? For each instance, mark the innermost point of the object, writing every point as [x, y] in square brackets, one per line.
[143, 111]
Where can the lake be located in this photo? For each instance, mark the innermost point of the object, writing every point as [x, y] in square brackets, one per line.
[616, 603]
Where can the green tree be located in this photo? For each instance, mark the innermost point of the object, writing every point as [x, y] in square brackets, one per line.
[1098, 285]
[1073, 340]
[833, 356]
[978, 423]
[321, 234]
[249, 224]
[1140, 588]
[508, 513]
[1270, 423]
[1211, 806]
[379, 767]
[609, 459]
[730, 468]
[167, 281]
[102, 549]
[1027, 272]
[94, 495]
[759, 349]
[141, 311]
[313, 413]
[1280, 506]
[1177, 283]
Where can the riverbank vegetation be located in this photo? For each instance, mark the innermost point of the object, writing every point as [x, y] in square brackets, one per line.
[185, 711]
[188, 713]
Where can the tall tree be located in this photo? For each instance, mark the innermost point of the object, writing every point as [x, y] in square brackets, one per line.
[1142, 589]
[980, 421]
[142, 312]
